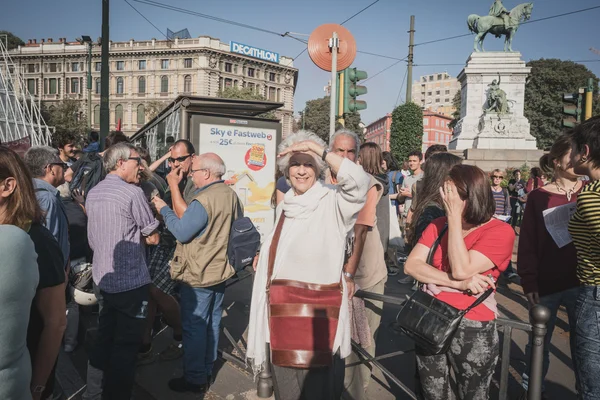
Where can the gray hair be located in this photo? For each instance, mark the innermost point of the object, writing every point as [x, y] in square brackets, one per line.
[347, 133]
[120, 151]
[37, 159]
[301, 136]
[216, 166]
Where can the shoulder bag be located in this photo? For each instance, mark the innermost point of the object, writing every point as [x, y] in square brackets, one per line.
[430, 322]
[303, 317]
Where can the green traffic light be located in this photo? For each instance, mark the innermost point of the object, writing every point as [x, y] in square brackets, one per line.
[357, 105]
[352, 90]
[355, 75]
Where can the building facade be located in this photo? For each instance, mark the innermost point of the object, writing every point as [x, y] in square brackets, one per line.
[435, 129]
[148, 75]
[379, 132]
[435, 92]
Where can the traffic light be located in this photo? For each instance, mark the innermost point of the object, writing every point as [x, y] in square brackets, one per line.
[572, 108]
[352, 90]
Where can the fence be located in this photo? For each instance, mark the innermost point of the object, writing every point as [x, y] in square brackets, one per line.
[539, 316]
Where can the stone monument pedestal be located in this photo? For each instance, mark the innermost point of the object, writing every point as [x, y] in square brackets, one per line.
[482, 129]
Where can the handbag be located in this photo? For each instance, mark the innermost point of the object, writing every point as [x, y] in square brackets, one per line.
[303, 317]
[430, 322]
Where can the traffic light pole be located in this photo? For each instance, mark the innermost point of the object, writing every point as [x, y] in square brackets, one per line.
[411, 45]
[589, 92]
[333, 44]
[104, 80]
[340, 110]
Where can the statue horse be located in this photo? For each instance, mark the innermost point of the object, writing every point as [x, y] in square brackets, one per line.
[495, 25]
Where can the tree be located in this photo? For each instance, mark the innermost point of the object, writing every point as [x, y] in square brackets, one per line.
[66, 116]
[456, 103]
[245, 93]
[13, 41]
[549, 80]
[153, 107]
[316, 119]
[407, 130]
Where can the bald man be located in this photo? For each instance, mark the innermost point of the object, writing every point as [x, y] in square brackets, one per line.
[200, 265]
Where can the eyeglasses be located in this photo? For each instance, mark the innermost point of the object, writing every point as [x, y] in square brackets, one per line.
[179, 159]
[497, 177]
[196, 170]
[136, 159]
[62, 165]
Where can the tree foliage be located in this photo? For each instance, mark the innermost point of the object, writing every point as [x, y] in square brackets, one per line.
[66, 116]
[13, 41]
[153, 107]
[406, 131]
[245, 93]
[549, 80]
[316, 119]
[456, 103]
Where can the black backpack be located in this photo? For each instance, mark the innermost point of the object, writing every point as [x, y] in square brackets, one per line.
[88, 173]
[244, 241]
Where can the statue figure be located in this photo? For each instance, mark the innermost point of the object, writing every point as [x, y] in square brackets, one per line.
[498, 10]
[496, 98]
[499, 22]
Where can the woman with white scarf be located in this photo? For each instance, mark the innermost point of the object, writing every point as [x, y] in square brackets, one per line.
[314, 221]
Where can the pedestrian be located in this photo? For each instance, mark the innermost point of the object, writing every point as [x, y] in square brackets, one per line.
[535, 180]
[503, 210]
[120, 224]
[367, 265]
[585, 230]
[319, 217]
[405, 194]
[94, 145]
[516, 190]
[547, 269]
[48, 171]
[395, 177]
[474, 249]
[200, 263]
[66, 142]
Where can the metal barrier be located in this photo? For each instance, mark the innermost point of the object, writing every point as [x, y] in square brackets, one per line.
[539, 316]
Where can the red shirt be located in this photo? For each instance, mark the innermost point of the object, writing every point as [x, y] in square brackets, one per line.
[494, 240]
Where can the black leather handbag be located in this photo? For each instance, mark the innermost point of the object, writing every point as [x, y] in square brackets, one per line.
[430, 322]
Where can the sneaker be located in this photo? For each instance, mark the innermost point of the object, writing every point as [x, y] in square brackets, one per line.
[180, 385]
[173, 352]
[407, 280]
[69, 348]
[146, 358]
[512, 275]
[392, 271]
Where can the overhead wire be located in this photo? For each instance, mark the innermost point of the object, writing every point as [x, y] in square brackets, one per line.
[401, 86]
[385, 69]
[348, 19]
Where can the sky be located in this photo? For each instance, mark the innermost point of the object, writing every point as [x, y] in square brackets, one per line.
[381, 29]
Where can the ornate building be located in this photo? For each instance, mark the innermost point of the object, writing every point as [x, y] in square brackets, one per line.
[147, 74]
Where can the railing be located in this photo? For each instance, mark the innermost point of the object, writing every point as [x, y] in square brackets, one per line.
[539, 316]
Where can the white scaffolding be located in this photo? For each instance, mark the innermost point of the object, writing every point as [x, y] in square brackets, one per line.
[20, 116]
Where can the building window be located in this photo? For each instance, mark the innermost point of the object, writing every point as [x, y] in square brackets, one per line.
[164, 64]
[437, 92]
[164, 84]
[437, 100]
[98, 66]
[96, 115]
[142, 84]
[120, 85]
[251, 72]
[235, 69]
[437, 137]
[187, 63]
[98, 86]
[53, 86]
[31, 68]
[446, 100]
[271, 94]
[447, 92]
[252, 86]
[429, 93]
[439, 77]
[142, 65]
[31, 86]
[228, 67]
[437, 122]
[430, 78]
[425, 121]
[228, 82]
[74, 85]
[53, 67]
[141, 114]
[75, 67]
[119, 114]
[187, 84]
[120, 65]
[272, 76]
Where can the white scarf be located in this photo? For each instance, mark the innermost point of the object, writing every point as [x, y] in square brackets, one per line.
[295, 208]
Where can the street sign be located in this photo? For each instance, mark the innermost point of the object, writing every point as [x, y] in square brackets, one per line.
[319, 48]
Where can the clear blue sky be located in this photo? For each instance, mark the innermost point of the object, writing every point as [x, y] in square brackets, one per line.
[380, 29]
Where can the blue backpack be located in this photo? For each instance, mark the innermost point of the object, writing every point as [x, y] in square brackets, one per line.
[244, 241]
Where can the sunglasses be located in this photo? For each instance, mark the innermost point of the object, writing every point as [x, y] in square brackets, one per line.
[179, 159]
[497, 177]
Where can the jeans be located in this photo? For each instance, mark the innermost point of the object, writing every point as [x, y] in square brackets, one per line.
[201, 311]
[568, 298]
[587, 342]
[121, 324]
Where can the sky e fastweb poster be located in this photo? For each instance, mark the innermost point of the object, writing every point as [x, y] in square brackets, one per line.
[250, 162]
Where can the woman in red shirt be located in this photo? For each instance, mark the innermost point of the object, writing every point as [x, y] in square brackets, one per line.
[547, 271]
[471, 256]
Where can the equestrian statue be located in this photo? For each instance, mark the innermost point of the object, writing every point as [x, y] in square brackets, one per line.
[499, 22]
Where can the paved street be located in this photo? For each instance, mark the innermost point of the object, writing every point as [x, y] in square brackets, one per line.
[235, 383]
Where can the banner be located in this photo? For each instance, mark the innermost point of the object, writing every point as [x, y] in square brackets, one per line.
[250, 162]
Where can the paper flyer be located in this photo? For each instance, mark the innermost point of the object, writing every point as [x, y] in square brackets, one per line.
[557, 220]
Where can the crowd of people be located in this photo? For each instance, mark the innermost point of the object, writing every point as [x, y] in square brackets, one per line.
[139, 238]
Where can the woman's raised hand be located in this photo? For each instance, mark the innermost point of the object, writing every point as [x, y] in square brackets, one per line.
[303, 147]
[453, 204]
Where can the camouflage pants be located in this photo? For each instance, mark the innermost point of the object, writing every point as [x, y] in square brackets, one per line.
[472, 357]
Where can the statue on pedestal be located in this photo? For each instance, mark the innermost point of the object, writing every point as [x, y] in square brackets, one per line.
[499, 22]
[496, 98]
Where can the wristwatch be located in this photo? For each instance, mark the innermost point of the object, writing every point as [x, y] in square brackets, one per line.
[325, 152]
[348, 275]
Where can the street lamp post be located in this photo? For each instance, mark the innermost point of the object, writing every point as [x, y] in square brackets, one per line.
[88, 40]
